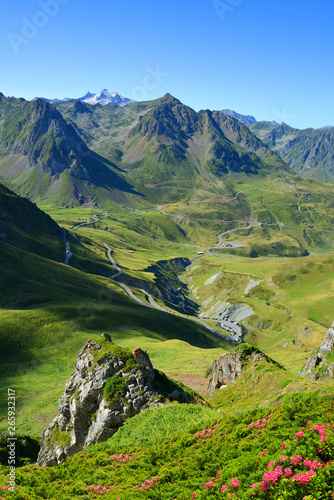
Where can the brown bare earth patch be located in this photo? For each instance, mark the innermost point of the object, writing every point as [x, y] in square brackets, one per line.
[197, 383]
[136, 154]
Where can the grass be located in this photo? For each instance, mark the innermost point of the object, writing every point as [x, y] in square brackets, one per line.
[39, 370]
[265, 384]
[153, 427]
[186, 455]
[36, 319]
[289, 297]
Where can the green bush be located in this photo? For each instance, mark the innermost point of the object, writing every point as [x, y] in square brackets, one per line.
[114, 388]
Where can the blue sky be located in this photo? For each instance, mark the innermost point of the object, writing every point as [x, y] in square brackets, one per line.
[272, 59]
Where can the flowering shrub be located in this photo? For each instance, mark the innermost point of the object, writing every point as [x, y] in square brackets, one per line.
[225, 460]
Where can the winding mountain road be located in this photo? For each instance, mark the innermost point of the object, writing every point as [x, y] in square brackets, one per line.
[221, 242]
[151, 302]
[95, 218]
[153, 305]
[237, 332]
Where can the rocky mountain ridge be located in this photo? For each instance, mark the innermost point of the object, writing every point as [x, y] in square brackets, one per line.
[310, 152]
[74, 153]
[92, 156]
[245, 119]
[42, 156]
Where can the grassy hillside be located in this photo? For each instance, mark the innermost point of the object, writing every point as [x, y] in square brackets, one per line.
[46, 304]
[265, 384]
[276, 297]
[25, 227]
[279, 453]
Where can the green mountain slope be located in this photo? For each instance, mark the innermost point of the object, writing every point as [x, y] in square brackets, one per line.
[169, 151]
[151, 152]
[309, 152]
[43, 158]
[27, 228]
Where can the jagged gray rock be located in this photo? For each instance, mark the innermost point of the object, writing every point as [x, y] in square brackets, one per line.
[84, 416]
[228, 367]
[318, 366]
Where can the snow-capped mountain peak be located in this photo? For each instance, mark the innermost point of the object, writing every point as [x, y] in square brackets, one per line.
[104, 98]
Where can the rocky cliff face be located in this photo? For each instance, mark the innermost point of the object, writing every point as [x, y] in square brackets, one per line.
[320, 365]
[107, 386]
[228, 367]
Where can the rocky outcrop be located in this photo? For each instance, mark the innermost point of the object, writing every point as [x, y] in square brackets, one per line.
[107, 386]
[228, 367]
[142, 358]
[320, 365]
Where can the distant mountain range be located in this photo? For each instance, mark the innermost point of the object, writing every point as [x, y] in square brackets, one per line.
[73, 152]
[245, 119]
[104, 98]
[310, 152]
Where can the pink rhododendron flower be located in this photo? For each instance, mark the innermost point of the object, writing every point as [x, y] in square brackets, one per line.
[288, 472]
[321, 429]
[264, 487]
[193, 496]
[303, 478]
[235, 482]
[210, 484]
[283, 457]
[296, 460]
[283, 446]
[272, 476]
[224, 488]
[271, 463]
[299, 435]
[315, 465]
